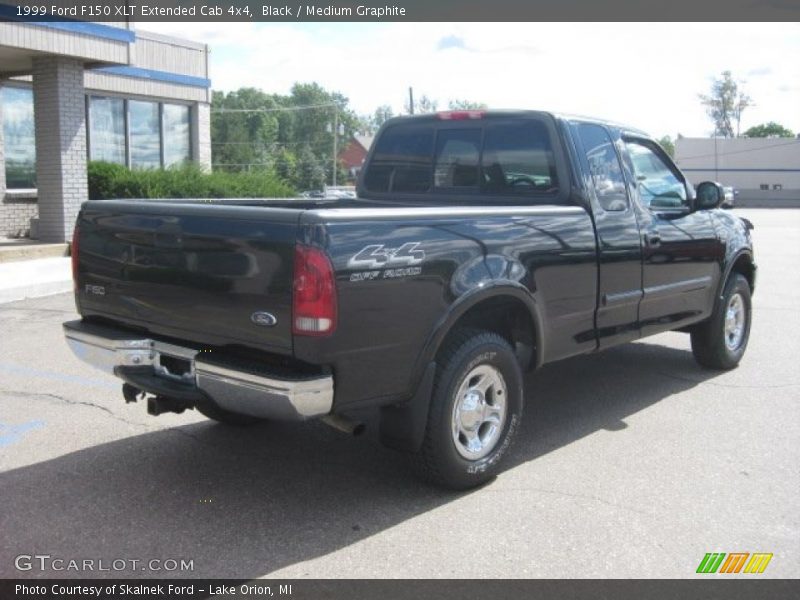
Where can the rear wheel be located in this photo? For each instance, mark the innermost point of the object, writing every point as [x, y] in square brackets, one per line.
[720, 342]
[215, 413]
[475, 410]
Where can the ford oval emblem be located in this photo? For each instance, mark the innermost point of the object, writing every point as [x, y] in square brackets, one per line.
[264, 319]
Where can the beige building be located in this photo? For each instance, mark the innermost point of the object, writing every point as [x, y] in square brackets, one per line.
[760, 168]
[77, 91]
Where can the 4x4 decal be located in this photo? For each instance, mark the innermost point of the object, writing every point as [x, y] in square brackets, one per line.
[378, 256]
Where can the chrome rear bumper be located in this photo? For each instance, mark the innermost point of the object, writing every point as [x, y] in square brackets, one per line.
[234, 389]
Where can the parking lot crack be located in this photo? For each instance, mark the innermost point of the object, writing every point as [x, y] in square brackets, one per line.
[590, 497]
[71, 402]
[724, 385]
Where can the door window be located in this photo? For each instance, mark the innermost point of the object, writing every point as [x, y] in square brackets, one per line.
[658, 185]
[609, 184]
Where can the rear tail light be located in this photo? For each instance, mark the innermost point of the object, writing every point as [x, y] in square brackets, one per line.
[73, 251]
[460, 115]
[314, 297]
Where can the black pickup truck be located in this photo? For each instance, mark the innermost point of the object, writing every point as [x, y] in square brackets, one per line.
[481, 245]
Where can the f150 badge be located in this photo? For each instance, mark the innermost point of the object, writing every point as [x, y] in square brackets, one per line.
[377, 256]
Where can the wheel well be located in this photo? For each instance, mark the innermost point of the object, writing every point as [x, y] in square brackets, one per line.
[507, 317]
[744, 265]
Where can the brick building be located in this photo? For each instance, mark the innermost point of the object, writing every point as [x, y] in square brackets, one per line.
[77, 91]
[354, 154]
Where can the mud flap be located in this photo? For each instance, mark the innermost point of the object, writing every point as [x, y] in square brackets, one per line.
[402, 426]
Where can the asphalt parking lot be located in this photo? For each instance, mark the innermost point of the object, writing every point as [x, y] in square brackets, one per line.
[630, 463]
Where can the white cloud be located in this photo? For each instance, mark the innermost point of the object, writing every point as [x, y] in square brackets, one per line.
[647, 75]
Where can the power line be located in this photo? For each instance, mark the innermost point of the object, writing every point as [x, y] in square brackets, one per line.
[267, 110]
[276, 144]
[271, 163]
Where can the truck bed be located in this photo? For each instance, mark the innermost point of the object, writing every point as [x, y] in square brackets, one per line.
[195, 270]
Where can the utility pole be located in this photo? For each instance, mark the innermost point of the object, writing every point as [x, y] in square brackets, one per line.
[411, 100]
[335, 140]
[337, 130]
[716, 156]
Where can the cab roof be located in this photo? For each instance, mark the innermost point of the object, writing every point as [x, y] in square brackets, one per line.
[475, 114]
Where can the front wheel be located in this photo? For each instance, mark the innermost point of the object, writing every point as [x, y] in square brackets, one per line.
[475, 410]
[720, 342]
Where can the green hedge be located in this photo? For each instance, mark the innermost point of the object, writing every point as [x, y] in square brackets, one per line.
[111, 181]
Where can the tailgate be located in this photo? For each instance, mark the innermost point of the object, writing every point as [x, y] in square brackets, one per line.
[205, 273]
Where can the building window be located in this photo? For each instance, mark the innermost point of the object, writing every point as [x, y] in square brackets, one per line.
[177, 142]
[777, 186]
[137, 133]
[764, 186]
[107, 130]
[145, 136]
[19, 136]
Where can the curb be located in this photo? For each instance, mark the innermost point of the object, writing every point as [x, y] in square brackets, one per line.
[766, 203]
[33, 251]
[34, 278]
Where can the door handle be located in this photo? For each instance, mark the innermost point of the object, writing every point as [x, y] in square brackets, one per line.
[652, 239]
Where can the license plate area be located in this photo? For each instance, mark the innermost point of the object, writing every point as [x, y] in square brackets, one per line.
[174, 362]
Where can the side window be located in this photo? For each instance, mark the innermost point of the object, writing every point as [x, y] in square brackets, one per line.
[609, 184]
[457, 155]
[658, 185]
[402, 161]
[518, 160]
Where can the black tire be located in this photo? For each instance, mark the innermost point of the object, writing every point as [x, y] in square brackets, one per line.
[215, 413]
[713, 345]
[468, 352]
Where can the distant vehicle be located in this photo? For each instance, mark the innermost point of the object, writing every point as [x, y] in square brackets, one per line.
[345, 191]
[331, 193]
[730, 196]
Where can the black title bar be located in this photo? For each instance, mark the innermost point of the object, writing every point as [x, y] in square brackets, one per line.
[400, 10]
[712, 588]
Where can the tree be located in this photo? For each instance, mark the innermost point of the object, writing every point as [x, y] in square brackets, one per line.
[369, 124]
[310, 172]
[771, 129]
[382, 114]
[422, 105]
[241, 136]
[466, 105]
[725, 105]
[668, 145]
[290, 135]
[426, 105]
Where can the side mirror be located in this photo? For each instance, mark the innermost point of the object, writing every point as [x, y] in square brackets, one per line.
[708, 194]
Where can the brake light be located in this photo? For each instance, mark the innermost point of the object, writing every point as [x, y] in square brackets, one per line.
[460, 115]
[73, 251]
[314, 297]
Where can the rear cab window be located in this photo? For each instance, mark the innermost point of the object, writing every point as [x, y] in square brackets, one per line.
[402, 161]
[457, 162]
[492, 159]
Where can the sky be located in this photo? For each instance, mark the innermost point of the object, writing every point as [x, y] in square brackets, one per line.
[647, 75]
